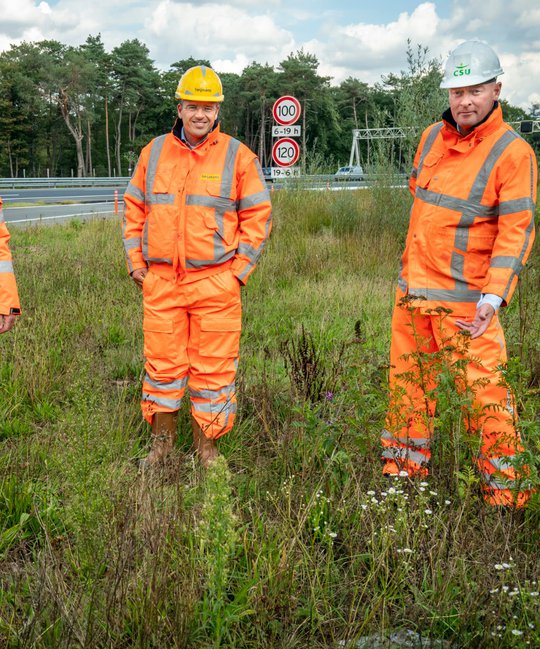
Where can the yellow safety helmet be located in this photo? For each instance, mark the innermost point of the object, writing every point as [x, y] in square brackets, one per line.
[200, 83]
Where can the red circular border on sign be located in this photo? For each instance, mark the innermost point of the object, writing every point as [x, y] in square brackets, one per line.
[286, 140]
[281, 100]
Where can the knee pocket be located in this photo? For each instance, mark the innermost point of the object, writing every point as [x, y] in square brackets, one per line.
[220, 337]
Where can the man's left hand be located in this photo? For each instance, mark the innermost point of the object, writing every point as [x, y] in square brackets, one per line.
[480, 323]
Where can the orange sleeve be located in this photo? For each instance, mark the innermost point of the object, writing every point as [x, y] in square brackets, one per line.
[254, 215]
[9, 297]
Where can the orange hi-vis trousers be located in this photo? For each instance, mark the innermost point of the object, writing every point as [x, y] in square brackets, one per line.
[192, 336]
[407, 437]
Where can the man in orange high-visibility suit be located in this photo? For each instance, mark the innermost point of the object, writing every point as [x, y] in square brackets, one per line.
[197, 216]
[471, 229]
[9, 298]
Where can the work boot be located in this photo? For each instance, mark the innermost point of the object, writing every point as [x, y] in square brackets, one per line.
[163, 438]
[204, 446]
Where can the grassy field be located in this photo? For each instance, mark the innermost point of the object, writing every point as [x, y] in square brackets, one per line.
[293, 539]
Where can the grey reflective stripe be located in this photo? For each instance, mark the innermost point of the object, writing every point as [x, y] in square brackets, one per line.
[160, 199]
[212, 394]
[414, 172]
[428, 144]
[253, 200]
[228, 168]
[419, 442]
[135, 192]
[404, 454]
[158, 260]
[155, 152]
[459, 294]
[1, 215]
[145, 240]
[177, 384]
[499, 463]
[502, 261]
[516, 205]
[496, 484]
[133, 242]
[249, 251]
[171, 404]
[203, 263]
[6, 267]
[401, 280]
[216, 202]
[214, 408]
[462, 205]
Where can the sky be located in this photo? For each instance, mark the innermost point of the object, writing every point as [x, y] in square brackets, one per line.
[358, 38]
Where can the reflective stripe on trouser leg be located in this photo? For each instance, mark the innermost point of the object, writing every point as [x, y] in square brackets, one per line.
[407, 435]
[215, 324]
[166, 328]
[498, 459]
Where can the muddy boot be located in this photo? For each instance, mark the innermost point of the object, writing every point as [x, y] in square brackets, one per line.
[206, 448]
[163, 438]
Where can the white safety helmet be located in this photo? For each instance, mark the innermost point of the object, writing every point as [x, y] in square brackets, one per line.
[470, 63]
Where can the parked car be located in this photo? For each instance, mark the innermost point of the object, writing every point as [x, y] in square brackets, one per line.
[267, 173]
[350, 173]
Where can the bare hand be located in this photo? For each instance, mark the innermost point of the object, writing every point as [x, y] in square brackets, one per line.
[480, 323]
[139, 275]
[6, 322]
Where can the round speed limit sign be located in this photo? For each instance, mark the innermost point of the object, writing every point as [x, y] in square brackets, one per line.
[285, 152]
[286, 110]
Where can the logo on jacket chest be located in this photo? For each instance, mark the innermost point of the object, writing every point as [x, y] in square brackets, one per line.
[212, 177]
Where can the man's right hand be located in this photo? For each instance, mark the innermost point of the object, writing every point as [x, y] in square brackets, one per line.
[139, 275]
[6, 323]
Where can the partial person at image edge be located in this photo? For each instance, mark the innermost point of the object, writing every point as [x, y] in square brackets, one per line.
[10, 307]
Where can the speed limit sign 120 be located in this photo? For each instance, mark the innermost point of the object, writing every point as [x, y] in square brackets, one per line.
[286, 110]
[285, 152]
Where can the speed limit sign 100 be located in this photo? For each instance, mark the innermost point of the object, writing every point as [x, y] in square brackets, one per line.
[286, 110]
[285, 152]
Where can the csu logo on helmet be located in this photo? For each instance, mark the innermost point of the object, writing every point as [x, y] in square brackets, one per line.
[462, 70]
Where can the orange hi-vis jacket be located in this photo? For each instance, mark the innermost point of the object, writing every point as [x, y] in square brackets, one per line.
[472, 221]
[190, 213]
[9, 297]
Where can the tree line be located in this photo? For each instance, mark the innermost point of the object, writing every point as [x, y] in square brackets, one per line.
[84, 111]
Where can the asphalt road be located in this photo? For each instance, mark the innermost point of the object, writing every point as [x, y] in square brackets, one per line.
[57, 205]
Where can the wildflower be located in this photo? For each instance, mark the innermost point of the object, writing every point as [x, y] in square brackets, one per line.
[498, 566]
[364, 507]
[534, 594]
[505, 589]
[492, 592]
[329, 396]
[433, 493]
[403, 474]
[391, 490]
[370, 493]
[332, 535]
[424, 484]
[447, 502]
[506, 565]
[422, 488]
[428, 511]
[517, 632]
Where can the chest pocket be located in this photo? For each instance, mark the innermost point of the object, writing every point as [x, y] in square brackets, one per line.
[223, 218]
[428, 169]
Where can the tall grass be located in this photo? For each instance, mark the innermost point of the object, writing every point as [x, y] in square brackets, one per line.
[294, 539]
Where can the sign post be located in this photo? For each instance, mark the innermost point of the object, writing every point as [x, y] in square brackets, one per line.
[286, 151]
